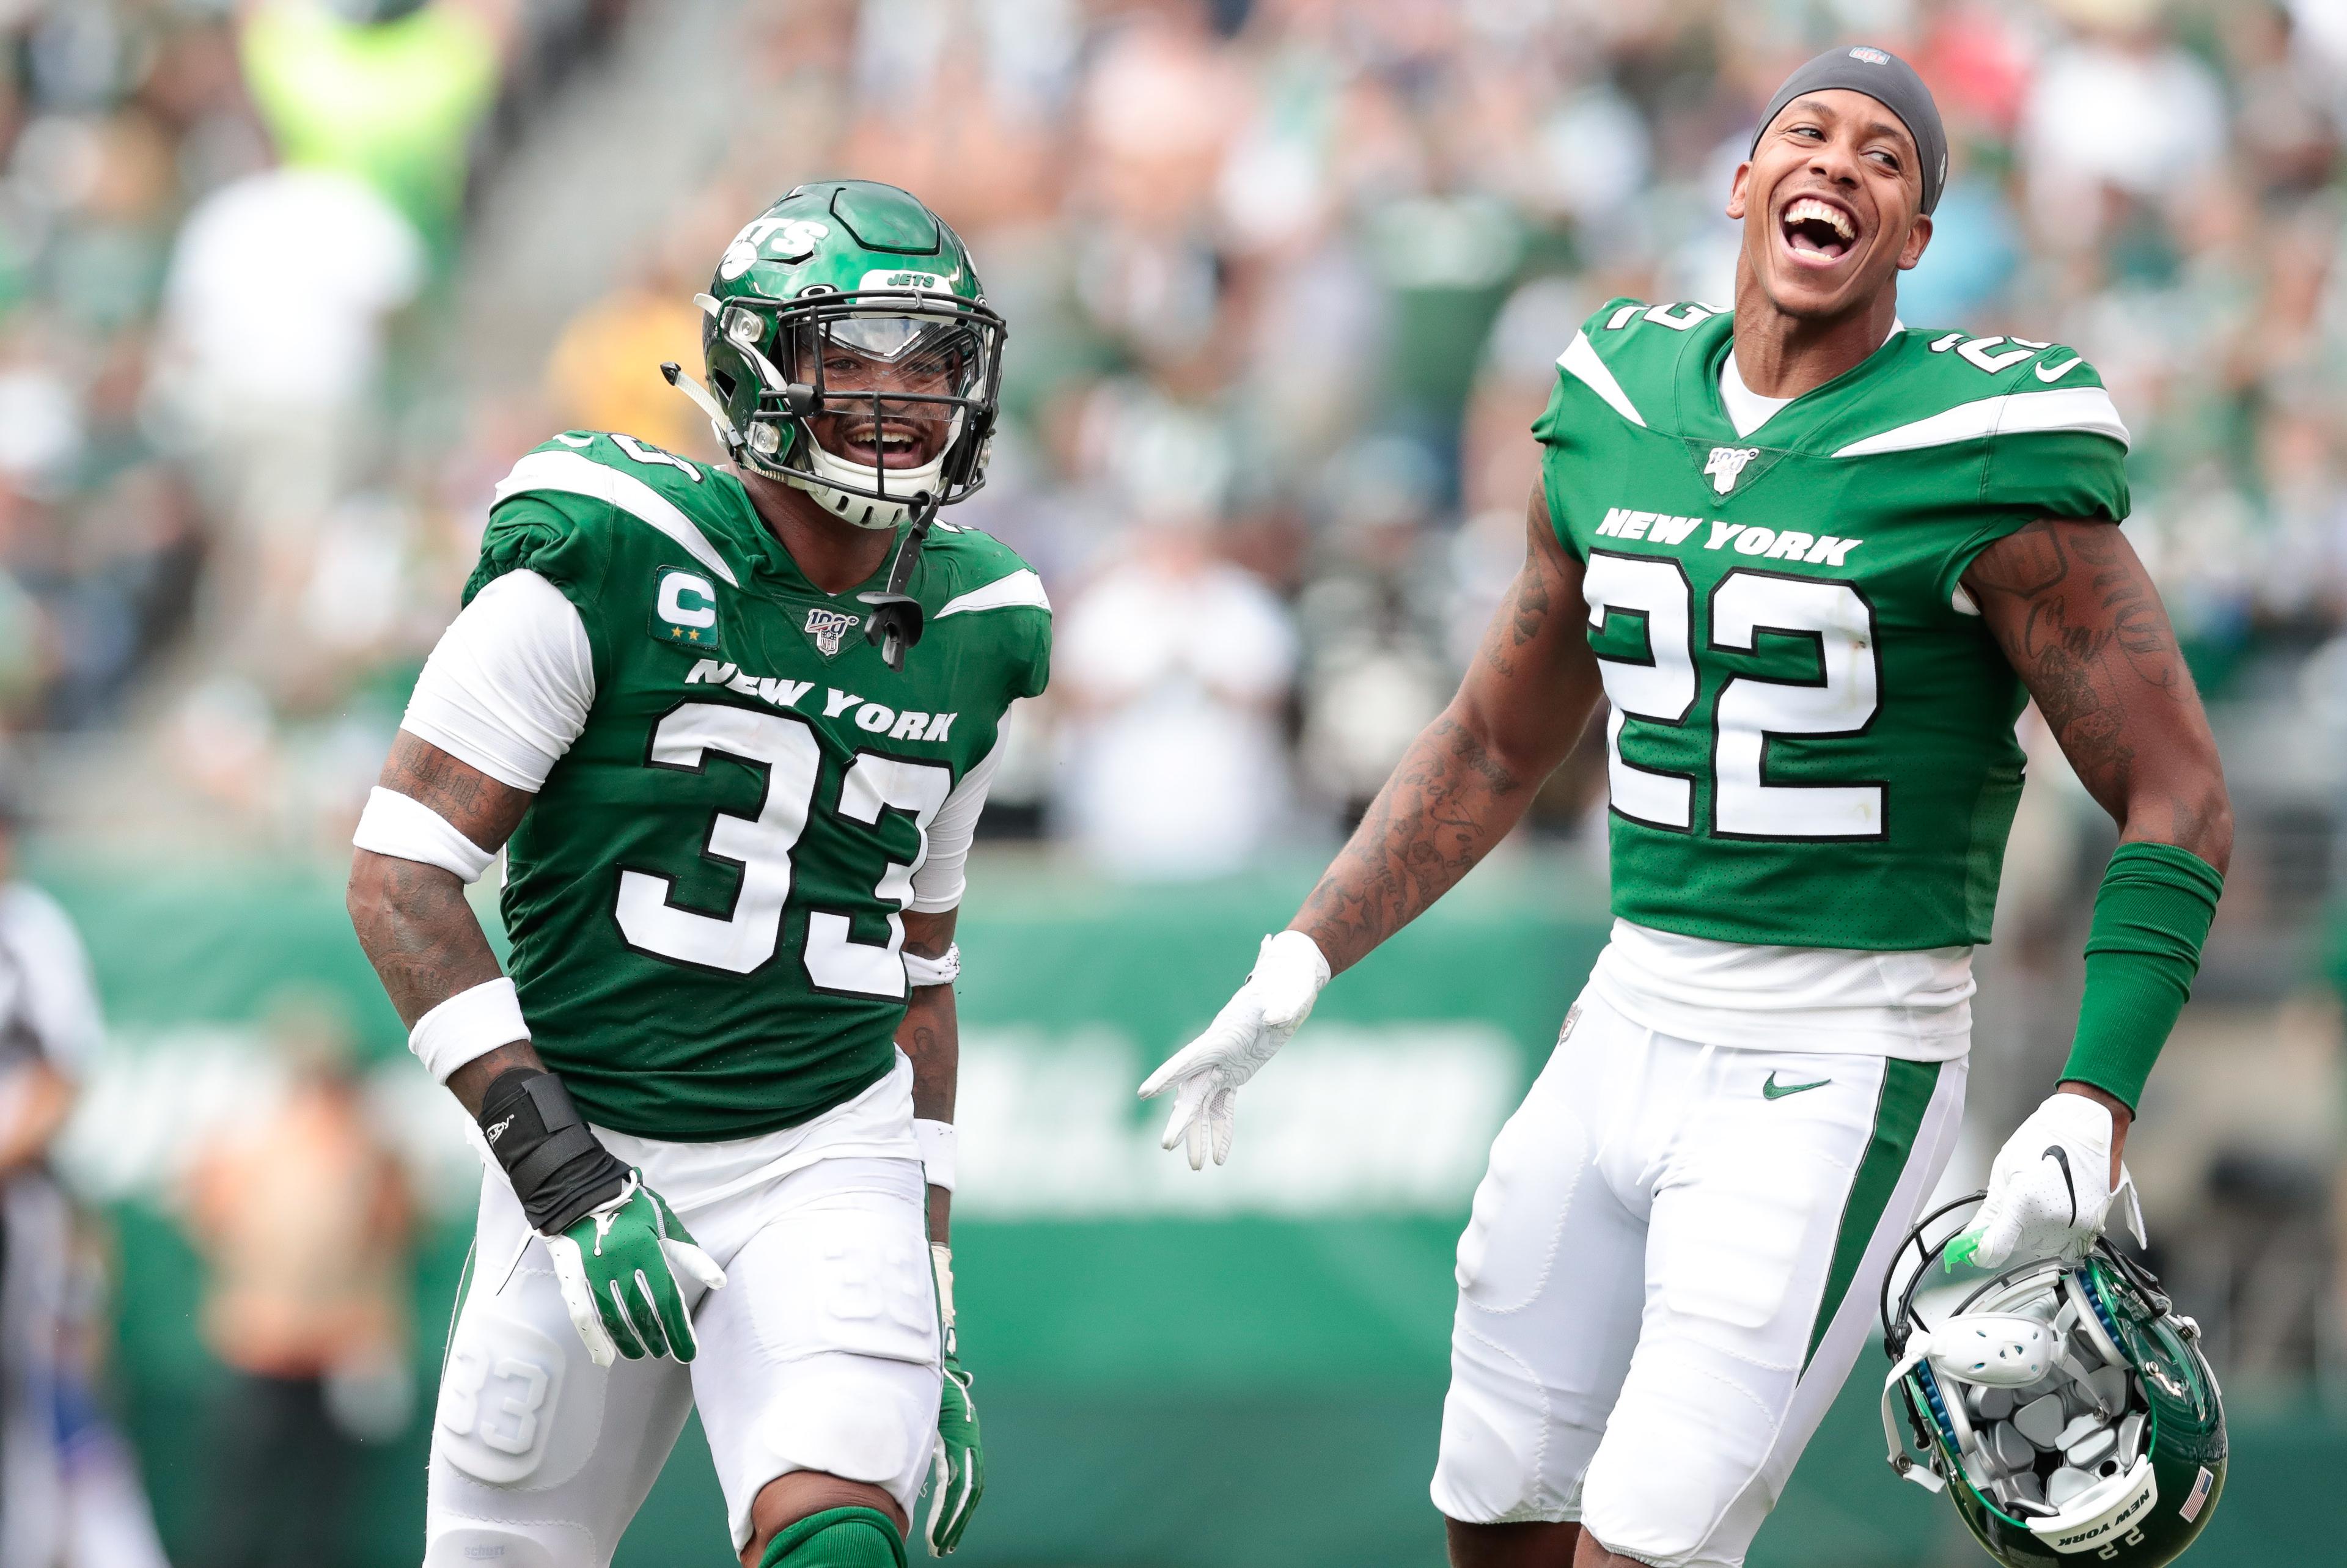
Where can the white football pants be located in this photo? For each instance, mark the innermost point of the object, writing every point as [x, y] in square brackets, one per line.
[1672, 1266]
[820, 1353]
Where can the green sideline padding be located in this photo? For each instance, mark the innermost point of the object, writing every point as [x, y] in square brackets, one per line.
[1169, 1376]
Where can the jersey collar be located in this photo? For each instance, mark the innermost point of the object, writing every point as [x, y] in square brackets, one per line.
[1704, 414]
[773, 568]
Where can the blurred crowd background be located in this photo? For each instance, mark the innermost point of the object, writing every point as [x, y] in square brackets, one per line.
[286, 285]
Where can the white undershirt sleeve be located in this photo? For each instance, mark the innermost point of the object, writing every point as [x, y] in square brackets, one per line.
[507, 688]
[58, 996]
[937, 885]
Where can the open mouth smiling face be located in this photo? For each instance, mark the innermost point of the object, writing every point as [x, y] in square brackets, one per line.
[1835, 181]
[1818, 232]
[877, 375]
[889, 442]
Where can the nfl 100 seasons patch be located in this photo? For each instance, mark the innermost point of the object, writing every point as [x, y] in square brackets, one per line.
[1730, 470]
[827, 626]
[684, 611]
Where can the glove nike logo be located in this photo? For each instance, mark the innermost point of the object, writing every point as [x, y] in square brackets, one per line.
[2061, 1157]
[1772, 1091]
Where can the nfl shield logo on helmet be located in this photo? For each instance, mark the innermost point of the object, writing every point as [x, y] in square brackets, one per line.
[827, 627]
[1725, 463]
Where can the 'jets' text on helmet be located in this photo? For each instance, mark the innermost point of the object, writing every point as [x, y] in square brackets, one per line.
[851, 352]
[2063, 1402]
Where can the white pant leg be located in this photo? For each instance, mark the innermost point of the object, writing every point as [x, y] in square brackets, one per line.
[539, 1458]
[822, 1352]
[1551, 1277]
[1773, 1223]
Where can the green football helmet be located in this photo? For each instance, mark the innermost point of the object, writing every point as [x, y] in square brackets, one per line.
[851, 354]
[2064, 1403]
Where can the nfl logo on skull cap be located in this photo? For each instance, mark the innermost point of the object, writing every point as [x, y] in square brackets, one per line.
[1872, 56]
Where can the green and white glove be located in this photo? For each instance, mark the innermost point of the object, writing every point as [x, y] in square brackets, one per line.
[957, 1465]
[624, 1267]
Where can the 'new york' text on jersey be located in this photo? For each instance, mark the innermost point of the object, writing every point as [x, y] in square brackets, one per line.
[1812, 738]
[705, 898]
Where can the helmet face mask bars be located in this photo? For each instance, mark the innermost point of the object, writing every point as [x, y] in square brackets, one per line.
[2063, 1403]
[861, 396]
[852, 355]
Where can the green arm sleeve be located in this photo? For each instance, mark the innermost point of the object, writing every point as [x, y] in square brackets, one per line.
[2151, 918]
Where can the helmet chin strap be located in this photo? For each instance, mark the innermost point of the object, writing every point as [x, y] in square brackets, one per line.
[895, 623]
[726, 430]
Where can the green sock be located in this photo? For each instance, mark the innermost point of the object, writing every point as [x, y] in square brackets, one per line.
[837, 1538]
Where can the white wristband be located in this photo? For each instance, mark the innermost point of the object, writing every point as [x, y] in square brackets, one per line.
[406, 828]
[467, 1026]
[942, 970]
[936, 1142]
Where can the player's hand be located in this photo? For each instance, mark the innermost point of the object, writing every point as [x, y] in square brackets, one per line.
[957, 1464]
[1205, 1074]
[2049, 1190]
[623, 1268]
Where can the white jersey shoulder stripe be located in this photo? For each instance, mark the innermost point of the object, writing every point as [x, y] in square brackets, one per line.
[1580, 360]
[2082, 408]
[572, 474]
[1020, 588]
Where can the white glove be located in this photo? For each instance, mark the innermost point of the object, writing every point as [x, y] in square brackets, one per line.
[2049, 1190]
[1205, 1074]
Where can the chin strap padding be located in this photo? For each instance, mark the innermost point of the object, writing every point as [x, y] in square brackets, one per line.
[895, 623]
[837, 1538]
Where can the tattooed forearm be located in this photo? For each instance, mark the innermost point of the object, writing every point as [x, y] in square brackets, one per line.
[930, 1037]
[2076, 615]
[1522, 617]
[413, 919]
[418, 932]
[1447, 803]
[1468, 777]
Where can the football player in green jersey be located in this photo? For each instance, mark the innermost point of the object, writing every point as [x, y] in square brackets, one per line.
[1816, 561]
[732, 727]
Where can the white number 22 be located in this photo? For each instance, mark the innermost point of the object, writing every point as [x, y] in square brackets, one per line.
[1661, 688]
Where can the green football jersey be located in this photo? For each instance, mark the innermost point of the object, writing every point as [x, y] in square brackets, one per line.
[705, 898]
[1811, 741]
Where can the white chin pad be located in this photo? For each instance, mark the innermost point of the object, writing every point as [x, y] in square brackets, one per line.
[1998, 1349]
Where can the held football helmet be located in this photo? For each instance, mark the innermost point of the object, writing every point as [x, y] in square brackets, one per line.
[2064, 1405]
[851, 352]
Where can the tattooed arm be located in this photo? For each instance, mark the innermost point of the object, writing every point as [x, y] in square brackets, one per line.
[931, 1036]
[1470, 774]
[2080, 622]
[2077, 616]
[412, 918]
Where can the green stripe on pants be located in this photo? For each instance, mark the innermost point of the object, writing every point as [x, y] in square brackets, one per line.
[1906, 1095]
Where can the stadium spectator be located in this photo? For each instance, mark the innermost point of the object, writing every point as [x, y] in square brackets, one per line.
[64, 1484]
[303, 1219]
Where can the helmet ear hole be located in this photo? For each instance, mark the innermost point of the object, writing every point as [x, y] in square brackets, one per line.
[725, 384]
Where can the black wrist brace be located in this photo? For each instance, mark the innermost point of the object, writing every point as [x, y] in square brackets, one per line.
[559, 1168]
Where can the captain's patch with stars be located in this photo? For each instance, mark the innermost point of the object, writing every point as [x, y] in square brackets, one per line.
[684, 611]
